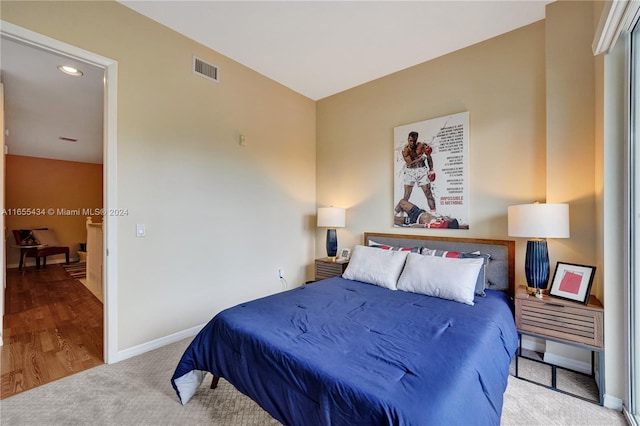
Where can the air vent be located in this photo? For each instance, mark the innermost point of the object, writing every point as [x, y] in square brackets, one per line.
[205, 69]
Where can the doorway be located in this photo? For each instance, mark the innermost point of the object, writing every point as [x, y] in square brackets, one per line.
[12, 32]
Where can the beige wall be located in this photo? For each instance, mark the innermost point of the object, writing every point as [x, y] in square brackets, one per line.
[570, 97]
[209, 205]
[501, 82]
[531, 96]
[45, 184]
[570, 94]
[220, 218]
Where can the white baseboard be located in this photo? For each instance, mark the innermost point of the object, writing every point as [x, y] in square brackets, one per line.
[156, 344]
[612, 402]
[533, 344]
[572, 364]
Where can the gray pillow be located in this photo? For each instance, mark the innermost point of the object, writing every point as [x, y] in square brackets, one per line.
[482, 283]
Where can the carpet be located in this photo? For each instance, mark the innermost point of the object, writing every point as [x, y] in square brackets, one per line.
[138, 391]
[76, 270]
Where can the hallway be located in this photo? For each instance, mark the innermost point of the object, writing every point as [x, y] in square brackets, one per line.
[53, 328]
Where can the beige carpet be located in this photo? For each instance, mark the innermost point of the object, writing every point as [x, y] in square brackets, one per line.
[138, 392]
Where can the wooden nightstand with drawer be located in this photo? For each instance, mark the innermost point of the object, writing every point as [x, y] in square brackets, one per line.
[328, 268]
[562, 321]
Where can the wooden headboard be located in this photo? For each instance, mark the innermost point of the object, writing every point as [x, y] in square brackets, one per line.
[501, 267]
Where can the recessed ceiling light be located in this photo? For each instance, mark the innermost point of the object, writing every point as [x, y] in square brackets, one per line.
[70, 70]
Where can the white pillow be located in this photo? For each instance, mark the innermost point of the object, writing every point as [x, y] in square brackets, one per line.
[46, 237]
[443, 277]
[374, 266]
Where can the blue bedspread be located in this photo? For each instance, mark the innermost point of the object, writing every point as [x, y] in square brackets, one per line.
[341, 352]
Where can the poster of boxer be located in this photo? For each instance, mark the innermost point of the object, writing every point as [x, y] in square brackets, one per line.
[431, 173]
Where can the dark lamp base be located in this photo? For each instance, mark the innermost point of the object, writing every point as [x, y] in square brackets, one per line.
[332, 243]
[536, 264]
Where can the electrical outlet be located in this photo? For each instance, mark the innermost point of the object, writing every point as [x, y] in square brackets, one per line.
[281, 273]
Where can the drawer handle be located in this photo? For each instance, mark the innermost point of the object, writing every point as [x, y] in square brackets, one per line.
[555, 305]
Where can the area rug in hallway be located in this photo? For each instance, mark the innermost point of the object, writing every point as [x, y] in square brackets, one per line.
[76, 270]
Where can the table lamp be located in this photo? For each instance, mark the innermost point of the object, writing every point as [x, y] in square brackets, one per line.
[537, 222]
[331, 218]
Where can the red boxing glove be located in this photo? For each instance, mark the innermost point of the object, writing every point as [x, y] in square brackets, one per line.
[437, 224]
[427, 149]
[431, 176]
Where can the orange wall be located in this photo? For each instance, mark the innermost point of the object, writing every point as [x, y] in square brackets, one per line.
[41, 183]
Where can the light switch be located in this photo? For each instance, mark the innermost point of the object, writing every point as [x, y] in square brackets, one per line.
[140, 230]
[243, 140]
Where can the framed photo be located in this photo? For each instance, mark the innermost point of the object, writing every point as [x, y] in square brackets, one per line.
[344, 255]
[572, 282]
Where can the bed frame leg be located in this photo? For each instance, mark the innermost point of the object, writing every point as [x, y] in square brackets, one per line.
[214, 382]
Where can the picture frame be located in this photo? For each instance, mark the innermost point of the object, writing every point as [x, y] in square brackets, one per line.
[572, 282]
[344, 255]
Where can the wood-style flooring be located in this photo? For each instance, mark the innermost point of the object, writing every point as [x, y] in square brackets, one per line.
[53, 327]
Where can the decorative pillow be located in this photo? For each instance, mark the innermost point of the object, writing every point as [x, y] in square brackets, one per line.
[374, 266]
[481, 283]
[443, 277]
[496, 278]
[439, 253]
[46, 237]
[388, 247]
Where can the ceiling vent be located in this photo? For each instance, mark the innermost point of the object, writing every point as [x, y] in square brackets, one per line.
[205, 69]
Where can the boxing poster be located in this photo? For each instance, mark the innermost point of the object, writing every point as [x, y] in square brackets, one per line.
[431, 160]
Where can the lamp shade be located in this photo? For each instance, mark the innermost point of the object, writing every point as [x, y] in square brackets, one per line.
[331, 217]
[538, 220]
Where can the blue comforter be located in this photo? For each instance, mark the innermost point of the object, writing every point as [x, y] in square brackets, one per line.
[341, 352]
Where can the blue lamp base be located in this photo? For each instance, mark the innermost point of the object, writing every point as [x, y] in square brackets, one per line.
[536, 264]
[332, 242]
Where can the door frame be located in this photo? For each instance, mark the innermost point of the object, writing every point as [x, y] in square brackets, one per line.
[109, 169]
[3, 258]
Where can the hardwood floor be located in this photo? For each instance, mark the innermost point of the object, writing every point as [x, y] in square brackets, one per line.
[53, 327]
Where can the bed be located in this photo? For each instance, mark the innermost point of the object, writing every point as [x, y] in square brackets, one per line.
[346, 352]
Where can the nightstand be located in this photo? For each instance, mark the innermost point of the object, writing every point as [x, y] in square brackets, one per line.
[327, 268]
[562, 321]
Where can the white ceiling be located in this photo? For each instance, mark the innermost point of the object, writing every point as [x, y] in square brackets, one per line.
[43, 104]
[319, 48]
[316, 48]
